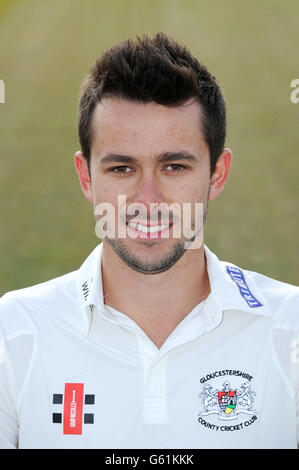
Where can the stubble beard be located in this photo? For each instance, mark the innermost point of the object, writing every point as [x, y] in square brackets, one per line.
[145, 267]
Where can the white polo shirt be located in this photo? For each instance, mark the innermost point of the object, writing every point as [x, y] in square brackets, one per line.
[75, 373]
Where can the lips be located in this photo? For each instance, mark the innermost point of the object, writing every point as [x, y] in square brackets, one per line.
[148, 228]
[138, 230]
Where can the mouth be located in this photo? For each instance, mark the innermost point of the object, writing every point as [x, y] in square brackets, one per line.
[138, 230]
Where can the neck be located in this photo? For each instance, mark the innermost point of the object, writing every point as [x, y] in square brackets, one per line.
[156, 302]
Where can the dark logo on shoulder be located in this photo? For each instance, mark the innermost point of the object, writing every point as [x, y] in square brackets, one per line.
[238, 277]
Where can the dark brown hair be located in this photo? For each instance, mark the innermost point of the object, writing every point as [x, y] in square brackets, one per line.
[153, 70]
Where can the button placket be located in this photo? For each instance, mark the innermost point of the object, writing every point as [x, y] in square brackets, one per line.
[154, 383]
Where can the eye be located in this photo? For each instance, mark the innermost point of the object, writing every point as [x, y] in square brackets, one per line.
[176, 167]
[120, 169]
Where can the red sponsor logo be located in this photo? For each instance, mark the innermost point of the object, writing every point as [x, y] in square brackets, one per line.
[73, 408]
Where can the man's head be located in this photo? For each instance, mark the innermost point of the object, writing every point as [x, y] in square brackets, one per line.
[148, 106]
[157, 70]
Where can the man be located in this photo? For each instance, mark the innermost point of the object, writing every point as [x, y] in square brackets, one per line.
[153, 342]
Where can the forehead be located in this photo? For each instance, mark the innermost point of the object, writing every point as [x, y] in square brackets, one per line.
[146, 128]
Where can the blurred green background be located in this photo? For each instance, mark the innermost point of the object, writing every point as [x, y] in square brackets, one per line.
[47, 47]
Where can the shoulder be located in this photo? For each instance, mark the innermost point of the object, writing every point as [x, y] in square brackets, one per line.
[283, 298]
[21, 309]
[272, 288]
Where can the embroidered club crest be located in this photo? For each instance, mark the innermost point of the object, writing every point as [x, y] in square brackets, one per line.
[227, 402]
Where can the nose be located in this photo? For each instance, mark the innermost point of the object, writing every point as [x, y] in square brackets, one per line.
[148, 191]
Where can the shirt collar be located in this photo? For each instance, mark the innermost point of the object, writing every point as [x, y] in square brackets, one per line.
[231, 289]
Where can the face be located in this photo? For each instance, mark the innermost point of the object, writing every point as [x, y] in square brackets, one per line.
[150, 154]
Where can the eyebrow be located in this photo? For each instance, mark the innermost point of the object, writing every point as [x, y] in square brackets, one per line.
[162, 158]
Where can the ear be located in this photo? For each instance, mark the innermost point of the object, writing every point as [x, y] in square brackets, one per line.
[220, 174]
[83, 173]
